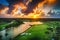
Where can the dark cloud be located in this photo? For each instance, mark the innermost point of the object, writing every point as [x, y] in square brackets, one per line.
[2, 6]
[57, 5]
[32, 5]
[13, 1]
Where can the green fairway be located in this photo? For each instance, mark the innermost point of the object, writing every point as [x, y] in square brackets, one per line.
[43, 31]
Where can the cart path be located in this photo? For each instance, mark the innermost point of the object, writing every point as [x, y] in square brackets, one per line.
[23, 27]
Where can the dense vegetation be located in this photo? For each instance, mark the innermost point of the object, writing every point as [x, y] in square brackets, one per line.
[9, 23]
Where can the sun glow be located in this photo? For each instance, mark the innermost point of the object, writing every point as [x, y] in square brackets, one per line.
[37, 11]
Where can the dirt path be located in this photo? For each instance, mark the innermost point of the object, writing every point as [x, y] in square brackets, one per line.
[23, 27]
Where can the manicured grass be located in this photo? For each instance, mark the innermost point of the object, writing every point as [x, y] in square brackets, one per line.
[40, 32]
[37, 33]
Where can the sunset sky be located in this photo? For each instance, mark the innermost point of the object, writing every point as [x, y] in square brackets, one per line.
[57, 5]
